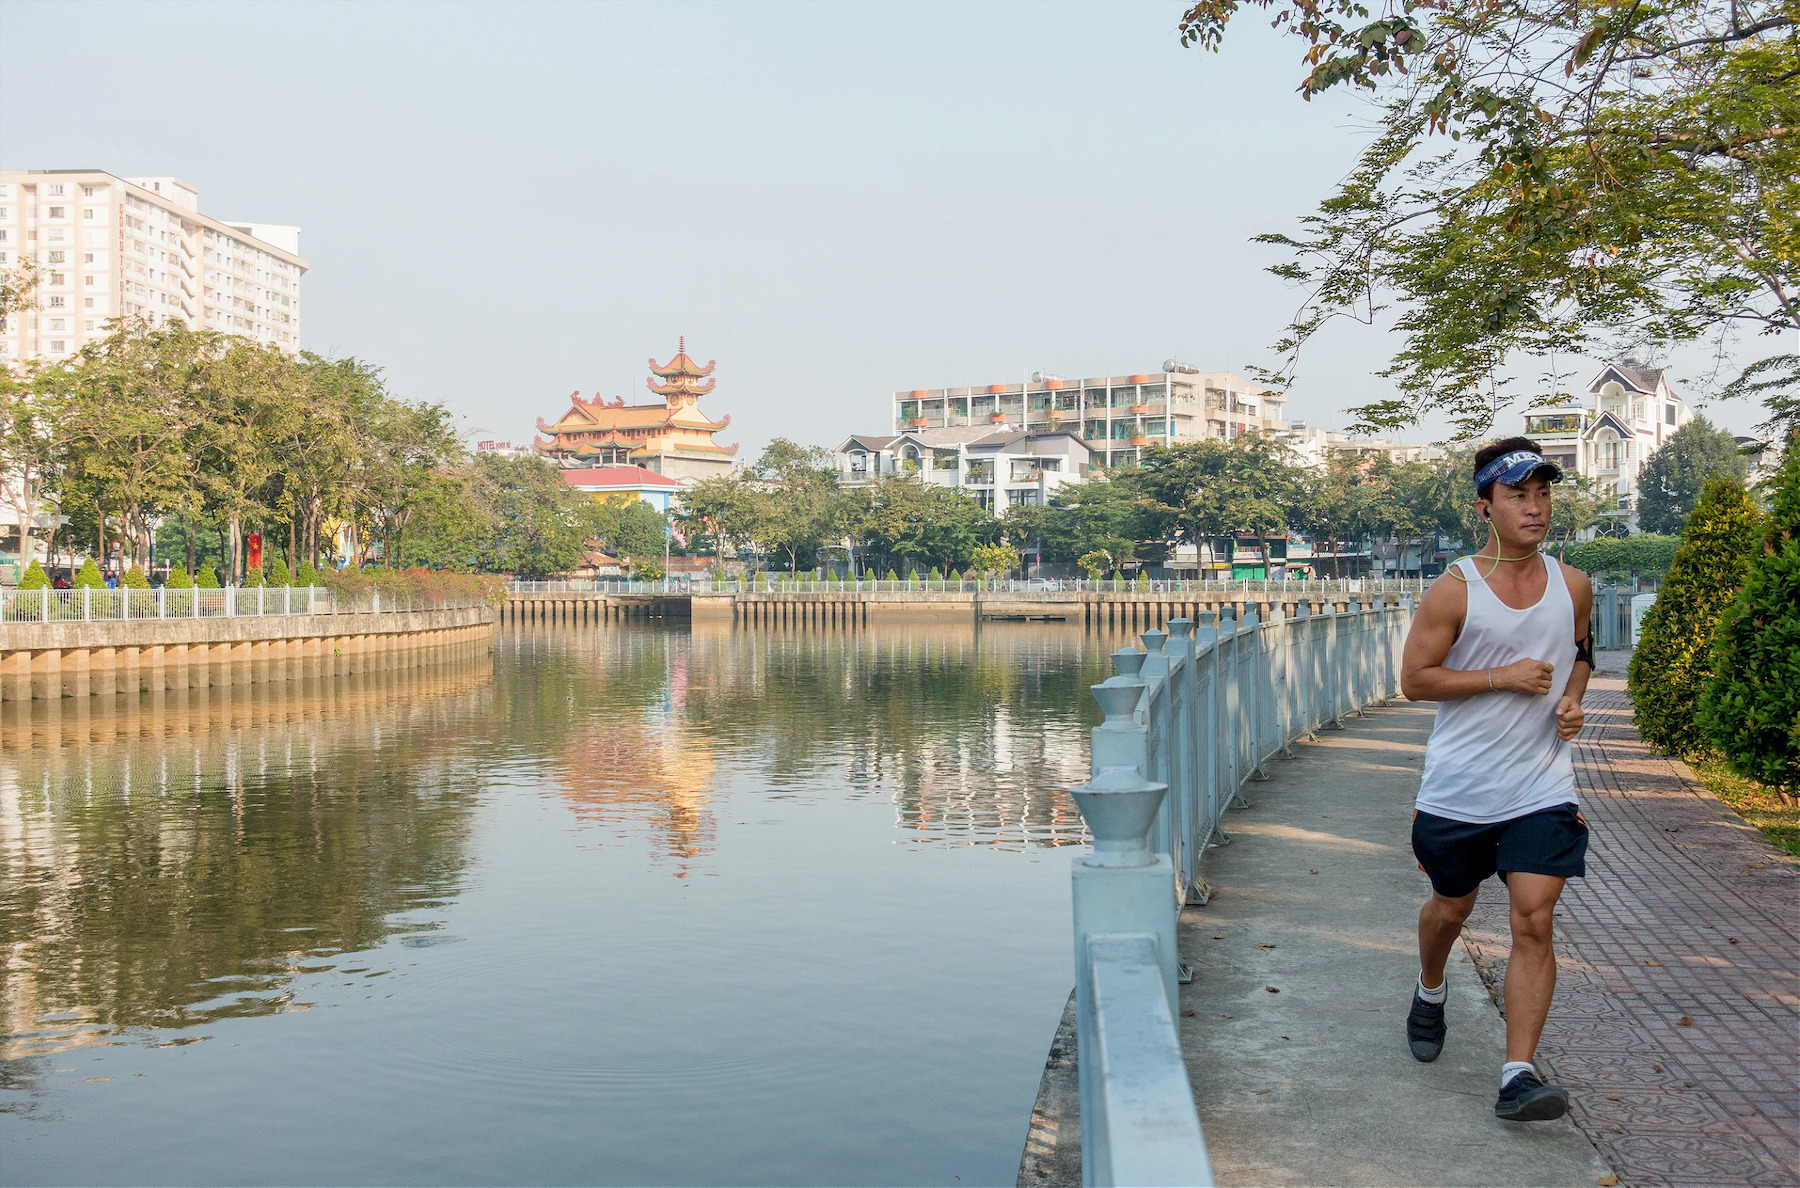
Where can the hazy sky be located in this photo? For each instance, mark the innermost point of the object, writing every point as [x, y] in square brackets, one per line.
[502, 204]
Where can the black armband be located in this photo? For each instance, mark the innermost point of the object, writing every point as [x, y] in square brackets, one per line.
[1583, 653]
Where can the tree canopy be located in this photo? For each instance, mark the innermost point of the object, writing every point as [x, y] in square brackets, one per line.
[1673, 475]
[1546, 177]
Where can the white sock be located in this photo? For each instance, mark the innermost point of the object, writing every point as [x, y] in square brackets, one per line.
[1513, 1068]
[1434, 994]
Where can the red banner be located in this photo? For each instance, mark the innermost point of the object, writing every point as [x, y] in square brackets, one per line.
[253, 559]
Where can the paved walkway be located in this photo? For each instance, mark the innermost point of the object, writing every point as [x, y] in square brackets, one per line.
[1676, 1024]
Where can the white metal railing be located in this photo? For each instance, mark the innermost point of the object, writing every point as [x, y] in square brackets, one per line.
[1242, 589]
[1188, 720]
[90, 605]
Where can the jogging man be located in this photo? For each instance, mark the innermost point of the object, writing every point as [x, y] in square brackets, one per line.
[1500, 642]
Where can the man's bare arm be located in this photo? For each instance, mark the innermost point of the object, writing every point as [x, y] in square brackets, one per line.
[1435, 627]
[1569, 716]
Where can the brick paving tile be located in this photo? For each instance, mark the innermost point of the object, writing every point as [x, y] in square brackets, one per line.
[1676, 1025]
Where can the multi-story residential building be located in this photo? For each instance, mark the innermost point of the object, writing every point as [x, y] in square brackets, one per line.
[1633, 412]
[1117, 416]
[109, 246]
[997, 465]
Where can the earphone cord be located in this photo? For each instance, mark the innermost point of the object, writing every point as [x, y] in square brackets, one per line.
[1498, 559]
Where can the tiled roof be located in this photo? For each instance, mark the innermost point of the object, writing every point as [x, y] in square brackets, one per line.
[618, 476]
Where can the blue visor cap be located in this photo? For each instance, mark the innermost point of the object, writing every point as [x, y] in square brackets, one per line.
[1514, 468]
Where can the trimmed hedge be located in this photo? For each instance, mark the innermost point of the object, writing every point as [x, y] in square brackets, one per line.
[430, 587]
[1646, 556]
[1672, 663]
[1751, 709]
[89, 577]
[35, 578]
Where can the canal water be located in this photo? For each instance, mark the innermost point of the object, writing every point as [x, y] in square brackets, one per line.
[628, 905]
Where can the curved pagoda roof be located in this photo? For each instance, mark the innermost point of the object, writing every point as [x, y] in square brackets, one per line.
[681, 375]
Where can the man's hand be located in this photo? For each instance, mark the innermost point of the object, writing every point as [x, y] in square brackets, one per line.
[1568, 718]
[1525, 676]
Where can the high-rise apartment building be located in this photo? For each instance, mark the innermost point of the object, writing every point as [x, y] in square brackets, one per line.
[109, 246]
[1117, 416]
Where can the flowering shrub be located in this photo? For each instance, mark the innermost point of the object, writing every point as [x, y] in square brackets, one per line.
[426, 587]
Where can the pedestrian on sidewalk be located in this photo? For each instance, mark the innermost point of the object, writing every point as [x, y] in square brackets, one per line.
[1501, 643]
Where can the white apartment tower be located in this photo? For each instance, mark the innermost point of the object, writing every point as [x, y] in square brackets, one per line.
[110, 247]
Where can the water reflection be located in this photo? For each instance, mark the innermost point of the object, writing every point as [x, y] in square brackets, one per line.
[670, 857]
[163, 867]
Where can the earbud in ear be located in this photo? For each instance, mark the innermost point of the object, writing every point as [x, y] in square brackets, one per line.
[1486, 515]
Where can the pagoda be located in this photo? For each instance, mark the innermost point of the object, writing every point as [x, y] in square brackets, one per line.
[673, 438]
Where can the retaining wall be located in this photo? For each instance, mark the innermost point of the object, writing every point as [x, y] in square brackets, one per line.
[80, 659]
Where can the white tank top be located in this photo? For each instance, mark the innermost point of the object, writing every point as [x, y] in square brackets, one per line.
[1495, 756]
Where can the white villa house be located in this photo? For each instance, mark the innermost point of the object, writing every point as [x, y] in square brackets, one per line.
[998, 466]
[1633, 413]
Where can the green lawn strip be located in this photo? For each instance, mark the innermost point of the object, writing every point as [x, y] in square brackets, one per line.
[1778, 817]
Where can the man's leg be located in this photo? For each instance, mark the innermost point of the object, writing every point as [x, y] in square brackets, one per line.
[1531, 970]
[1440, 923]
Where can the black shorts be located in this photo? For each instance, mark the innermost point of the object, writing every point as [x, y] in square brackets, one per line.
[1458, 855]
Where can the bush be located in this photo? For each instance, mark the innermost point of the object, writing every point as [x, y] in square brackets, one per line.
[308, 575]
[648, 571]
[1645, 556]
[892, 576]
[1751, 709]
[89, 577]
[955, 575]
[422, 587]
[1672, 664]
[35, 578]
[279, 575]
[179, 579]
[253, 578]
[935, 575]
[206, 579]
[136, 578]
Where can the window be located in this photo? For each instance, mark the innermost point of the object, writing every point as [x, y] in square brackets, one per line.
[2, 212]
[55, 191]
[87, 302]
[90, 280]
[56, 303]
[2, 235]
[56, 257]
[91, 191]
[56, 324]
[87, 212]
[1669, 414]
[56, 346]
[89, 324]
[57, 212]
[88, 258]
[56, 278]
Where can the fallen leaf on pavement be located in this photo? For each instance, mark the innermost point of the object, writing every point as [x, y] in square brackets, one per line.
[1187, 1014]
[1273, 989]
[1218, 936]
[1260, 1092]
[1607, 1181]
[1652, 963]
[1684, 1021]
[1265, 946]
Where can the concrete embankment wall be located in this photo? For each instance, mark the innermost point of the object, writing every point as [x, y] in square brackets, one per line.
[835, 608]
[80, 659]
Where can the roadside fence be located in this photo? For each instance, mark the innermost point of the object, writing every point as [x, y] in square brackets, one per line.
[88, 605]
[1200, 711]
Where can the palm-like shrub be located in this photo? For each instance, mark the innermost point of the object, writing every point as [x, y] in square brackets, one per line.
[1672, 663]
[1750, 710]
